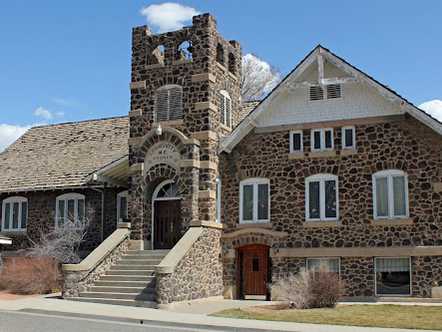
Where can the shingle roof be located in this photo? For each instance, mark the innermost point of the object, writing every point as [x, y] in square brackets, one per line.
[247, 107]
[62, 155]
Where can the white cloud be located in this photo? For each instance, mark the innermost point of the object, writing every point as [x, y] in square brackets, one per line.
[47, 114]
[433, 107]
[9, 133]
[43, 113]
[168, 16]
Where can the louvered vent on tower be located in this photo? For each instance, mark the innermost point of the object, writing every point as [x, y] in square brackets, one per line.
[169, 103]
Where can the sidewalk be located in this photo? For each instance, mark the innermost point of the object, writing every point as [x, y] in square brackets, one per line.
[56, 306]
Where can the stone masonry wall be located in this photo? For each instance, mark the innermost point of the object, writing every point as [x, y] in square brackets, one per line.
[41, 216]
[402, 143]
[198, 275]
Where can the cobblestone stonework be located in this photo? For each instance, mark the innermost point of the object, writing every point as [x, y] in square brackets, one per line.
[214, 65]
[41, 217]
[401, 143]
[75, 282]
[198, 275]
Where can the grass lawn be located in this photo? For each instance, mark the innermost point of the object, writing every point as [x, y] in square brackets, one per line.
[396, 316]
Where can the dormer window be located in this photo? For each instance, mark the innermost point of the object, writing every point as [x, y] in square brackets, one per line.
[317, 92]
[169, 103]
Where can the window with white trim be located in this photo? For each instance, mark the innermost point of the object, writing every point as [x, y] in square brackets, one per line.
[218, 200]
[70, 208]
[323, 264]
[393, 275]
[254, 204]
[321, 197]
[169, 103]
[390, 194]
[122, 215]
[349, 137]
[225, 108]
[322, 139]
[14, 214]
[296, 141]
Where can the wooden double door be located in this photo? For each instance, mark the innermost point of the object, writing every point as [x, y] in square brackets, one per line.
[167, 223]
[253, 272]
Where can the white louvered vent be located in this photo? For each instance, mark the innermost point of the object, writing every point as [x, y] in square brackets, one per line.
[169, 103]
[333, 91]
[316, 93]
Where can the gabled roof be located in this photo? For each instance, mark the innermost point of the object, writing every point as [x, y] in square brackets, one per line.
[62, 155]
[249, 122]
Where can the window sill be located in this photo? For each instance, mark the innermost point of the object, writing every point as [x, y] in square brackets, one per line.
[296, 155]
[13, 232]
[224, 127]
[169, 123]
[320, 223]
[392, 222]
[181, 62]
[154, 66]
[348, 152]
[254, 225]
[322, 154]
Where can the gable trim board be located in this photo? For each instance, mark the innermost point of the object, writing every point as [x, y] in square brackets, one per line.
[250, 122]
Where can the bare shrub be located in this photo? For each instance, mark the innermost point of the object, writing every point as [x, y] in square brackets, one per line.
[307, 290]
[30, 275]
[62, 243]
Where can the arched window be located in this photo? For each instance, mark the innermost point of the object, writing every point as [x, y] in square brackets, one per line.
[166, 190]
[70, 208]
[185, 50]
[232, 63]
[14, 214]
[254, 196]
[122, 215]
[225, 108]
[220, 54]
[390, 194]
[169, 103]
[321, 197]
[156, 56]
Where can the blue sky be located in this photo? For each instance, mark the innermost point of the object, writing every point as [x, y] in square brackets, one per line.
[70, 60]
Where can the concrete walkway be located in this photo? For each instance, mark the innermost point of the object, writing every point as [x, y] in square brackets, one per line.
[104, 311]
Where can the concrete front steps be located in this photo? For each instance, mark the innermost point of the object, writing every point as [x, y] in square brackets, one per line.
[130, 282]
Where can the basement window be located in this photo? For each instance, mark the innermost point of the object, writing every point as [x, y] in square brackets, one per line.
[393, 276]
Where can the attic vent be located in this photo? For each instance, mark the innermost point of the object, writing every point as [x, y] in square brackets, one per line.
[333, 91]
[169, 103]
[316, 93]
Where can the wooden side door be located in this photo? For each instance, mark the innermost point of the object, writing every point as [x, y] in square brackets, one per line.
[254, 261]
[167, 224]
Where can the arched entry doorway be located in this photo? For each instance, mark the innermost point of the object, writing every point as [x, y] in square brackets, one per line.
[166, 215]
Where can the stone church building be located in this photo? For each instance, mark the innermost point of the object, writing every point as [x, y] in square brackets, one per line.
[198, 194]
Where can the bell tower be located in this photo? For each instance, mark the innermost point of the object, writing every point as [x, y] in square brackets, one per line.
[185, 95]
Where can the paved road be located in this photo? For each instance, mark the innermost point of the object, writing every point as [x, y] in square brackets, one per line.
[31, 322]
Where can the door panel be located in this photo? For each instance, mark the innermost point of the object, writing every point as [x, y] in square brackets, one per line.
[167, 227]
[254, 270]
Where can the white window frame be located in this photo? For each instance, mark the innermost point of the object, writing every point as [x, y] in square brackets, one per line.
[218, 200]
[321, 178]
[119, 196]
[323, 258]
[226, 100]
[11, 200]
[66, 197]
[322, 138]
[343, 141]
[390, 174]
[376, 281]
[294, 132]
[255, 182]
